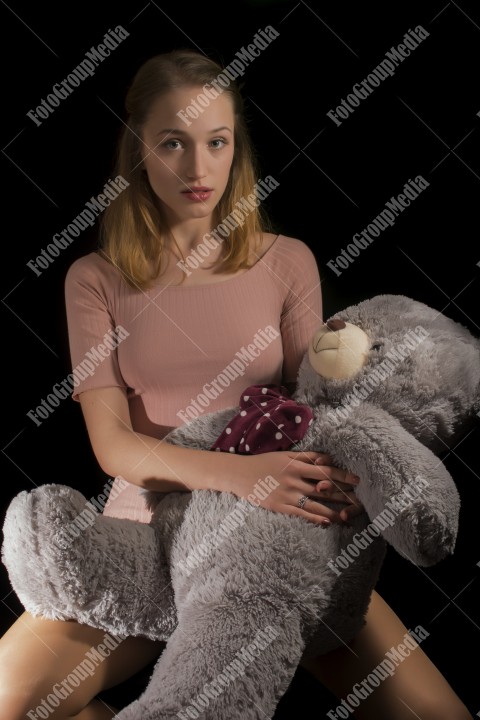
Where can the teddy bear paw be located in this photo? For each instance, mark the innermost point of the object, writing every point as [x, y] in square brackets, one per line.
[45, 549]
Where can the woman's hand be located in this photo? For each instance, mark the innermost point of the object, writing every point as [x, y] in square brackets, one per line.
[338, 486]
[299, 474]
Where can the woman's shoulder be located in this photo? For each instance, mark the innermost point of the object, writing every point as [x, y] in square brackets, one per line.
[286, 250]
[91, 268]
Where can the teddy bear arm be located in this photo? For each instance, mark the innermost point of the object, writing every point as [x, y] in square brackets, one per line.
[404, 487]
[202, 432]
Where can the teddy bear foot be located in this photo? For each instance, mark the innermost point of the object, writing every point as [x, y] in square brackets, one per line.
[136, 711]
[141, 712]
[68, 562]
[145, 711]
[231, 659]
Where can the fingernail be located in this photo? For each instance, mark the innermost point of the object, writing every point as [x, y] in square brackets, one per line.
[325, 522]
[323, 485]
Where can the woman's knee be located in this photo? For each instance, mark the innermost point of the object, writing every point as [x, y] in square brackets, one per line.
[41, 671]
[430, 707]
[54, 669]
[18, 703]
[39, 695]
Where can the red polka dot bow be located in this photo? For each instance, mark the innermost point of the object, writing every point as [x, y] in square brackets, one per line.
[268, 420]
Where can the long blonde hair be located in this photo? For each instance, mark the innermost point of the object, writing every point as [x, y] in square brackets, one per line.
[134, 229]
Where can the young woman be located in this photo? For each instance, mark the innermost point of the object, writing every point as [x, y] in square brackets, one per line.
[182, 174]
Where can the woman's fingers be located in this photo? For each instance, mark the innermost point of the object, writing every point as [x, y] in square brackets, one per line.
[327, 469]
[337, 475]
[316, 512]
[351, 511]
[314, 458]
[321, 514]
[334, 485]
[341, 496]
[311, 457]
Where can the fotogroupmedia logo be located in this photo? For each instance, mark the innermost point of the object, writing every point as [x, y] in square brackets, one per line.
[232, 71]
[381, 222]
[93, 358]
[385, 669]
[86, 668]
[236, 668]
[235, 368]
[80, 73]
[93, 208]
[381, 72]
[236, 218]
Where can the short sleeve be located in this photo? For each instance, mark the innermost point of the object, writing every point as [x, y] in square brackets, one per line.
[302, 308]
[92, 332]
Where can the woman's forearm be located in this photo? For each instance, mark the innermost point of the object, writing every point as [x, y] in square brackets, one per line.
[147, 461]
[157, 465]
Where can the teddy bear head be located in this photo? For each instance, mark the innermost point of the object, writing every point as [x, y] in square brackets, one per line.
[401, 355]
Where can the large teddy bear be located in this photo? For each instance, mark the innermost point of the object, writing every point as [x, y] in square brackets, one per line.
[241, 593]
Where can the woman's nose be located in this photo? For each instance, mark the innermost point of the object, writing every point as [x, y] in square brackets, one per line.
[196, 163]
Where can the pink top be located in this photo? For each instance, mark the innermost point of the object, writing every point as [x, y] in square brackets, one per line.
[190, 350]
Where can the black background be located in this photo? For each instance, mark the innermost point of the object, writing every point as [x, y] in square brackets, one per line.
[333, 182]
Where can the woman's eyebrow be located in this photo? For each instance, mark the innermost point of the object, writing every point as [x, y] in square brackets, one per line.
[167, 131]
[177, 131]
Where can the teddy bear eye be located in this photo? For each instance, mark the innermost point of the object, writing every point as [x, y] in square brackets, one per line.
[376, 346]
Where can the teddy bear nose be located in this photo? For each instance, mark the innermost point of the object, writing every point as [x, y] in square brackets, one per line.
[335, 325]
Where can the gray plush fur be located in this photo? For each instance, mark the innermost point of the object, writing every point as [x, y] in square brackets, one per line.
[271, 572]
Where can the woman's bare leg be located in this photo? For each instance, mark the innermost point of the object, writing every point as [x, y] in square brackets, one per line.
[96, 710]
[416, 689]
[37, 657]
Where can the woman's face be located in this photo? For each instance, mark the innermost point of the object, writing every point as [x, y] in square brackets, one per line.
[188, 165]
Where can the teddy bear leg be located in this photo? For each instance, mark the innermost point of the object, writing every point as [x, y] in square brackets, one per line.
[228, 661]
[66, 561]
[245, 598]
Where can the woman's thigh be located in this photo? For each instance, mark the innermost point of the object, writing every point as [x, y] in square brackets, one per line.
[416, 689]
[41, 662]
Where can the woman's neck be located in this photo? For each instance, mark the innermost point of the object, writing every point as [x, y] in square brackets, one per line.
[184, 237]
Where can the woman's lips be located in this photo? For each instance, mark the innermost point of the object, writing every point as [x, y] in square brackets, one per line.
[198, 194]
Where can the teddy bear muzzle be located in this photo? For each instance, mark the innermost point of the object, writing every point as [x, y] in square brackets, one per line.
[338, 349]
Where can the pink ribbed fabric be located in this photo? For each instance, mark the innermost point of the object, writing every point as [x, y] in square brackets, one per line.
[186, 344]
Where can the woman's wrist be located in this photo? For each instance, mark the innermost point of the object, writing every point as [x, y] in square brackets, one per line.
[221, 472]
[187, 469]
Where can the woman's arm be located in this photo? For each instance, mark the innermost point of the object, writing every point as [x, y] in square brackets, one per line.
[156, 465]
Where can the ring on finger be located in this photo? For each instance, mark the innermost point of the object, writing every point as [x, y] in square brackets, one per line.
[301, 501]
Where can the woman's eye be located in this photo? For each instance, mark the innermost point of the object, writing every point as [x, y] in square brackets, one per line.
[218, 143]
[172, 144]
